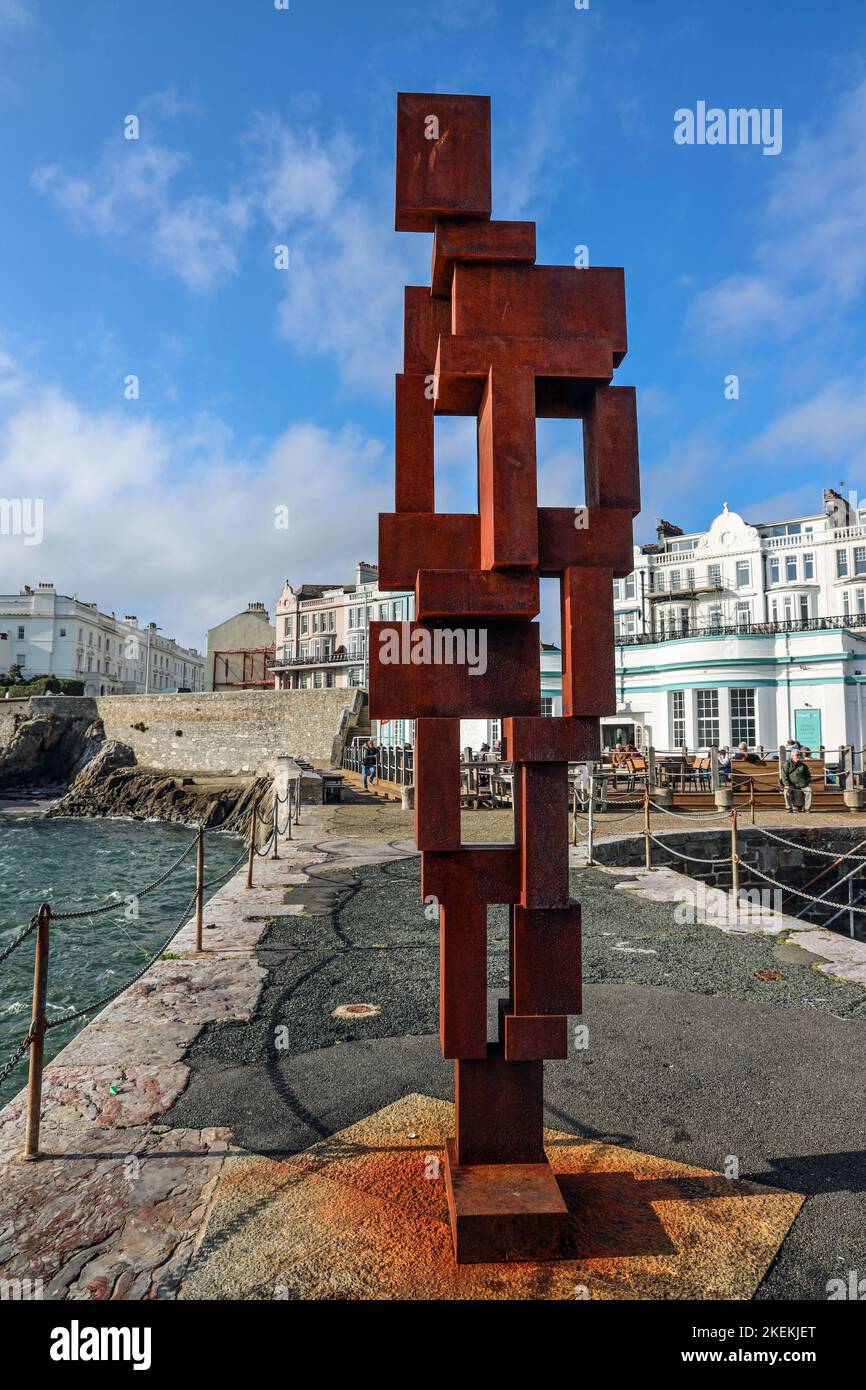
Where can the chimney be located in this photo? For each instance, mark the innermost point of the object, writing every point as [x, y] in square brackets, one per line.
[365, 573]
[665, 529]
[836, 508]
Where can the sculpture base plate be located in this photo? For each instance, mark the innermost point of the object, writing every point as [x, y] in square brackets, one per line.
[504, 1211]
[363, 1214]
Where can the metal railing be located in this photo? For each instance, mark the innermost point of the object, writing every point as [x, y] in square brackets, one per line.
[393, 764]
[831, 624]
[585, 807]
[326, 659]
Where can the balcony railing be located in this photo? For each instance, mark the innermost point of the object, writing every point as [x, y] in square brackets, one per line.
[639, 639]
[331, 659]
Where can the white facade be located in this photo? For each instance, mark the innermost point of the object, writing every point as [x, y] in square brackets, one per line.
[745, 633]
[322, 637]
[50, 634]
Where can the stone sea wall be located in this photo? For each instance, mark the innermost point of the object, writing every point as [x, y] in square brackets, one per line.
[228, 732]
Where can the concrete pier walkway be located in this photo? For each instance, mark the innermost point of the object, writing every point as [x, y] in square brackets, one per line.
[170, 1120]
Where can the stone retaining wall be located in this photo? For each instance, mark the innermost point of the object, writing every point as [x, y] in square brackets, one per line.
[790, 864]
[228, 732]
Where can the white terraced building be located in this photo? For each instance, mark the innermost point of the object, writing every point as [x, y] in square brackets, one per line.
[44, 633]
[745, 633]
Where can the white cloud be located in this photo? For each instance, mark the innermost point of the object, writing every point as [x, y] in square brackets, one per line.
[342, 295]
[831, 424]
[177, 523]
[810, 255]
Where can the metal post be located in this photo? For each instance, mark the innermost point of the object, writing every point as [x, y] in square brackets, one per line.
[574, 812]
[752, 799]
[37, 1036]
[646, 828]
[290, 809]
[715, 781]
[254, 817]
[199, 886]
[276, 818]
[735, 858]
[590, 818]
[851, 908]
[298, 799]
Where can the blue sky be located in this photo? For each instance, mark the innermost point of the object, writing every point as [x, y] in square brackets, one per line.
[261, 387]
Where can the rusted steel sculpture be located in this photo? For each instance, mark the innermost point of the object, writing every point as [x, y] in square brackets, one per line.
[500, 338]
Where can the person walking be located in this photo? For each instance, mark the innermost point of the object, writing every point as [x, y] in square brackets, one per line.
[368, 767]
[795, 778]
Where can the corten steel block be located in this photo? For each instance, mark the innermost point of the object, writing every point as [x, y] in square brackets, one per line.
[596, 536]
[545, 960]
[437, 783]
[504, 1212]
[413, 541]
[410, 675]
[462, 365]
[610, 449]
[527, 739]
[425, 320]
[478, 241]
[500, 1107]
[541, 832]
[588, 676]
[500, 594]
[501, 338]
[413, 451]
[565, 398]
[535, 1037]
[486, 874]
[507, 495]
[446, 176]
[541, 301]
[463, 979]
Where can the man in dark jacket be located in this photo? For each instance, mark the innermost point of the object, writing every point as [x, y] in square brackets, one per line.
[368, 762]
[795, 778]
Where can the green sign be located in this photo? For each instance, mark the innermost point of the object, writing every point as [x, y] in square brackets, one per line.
[807, 727]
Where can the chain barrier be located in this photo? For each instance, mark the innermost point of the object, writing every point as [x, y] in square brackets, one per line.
[810, 849]
[14, 1059]
[107, 998]
[689, 858]
[112, 907]
[22, 936]
[798, 892]
[689, 815]
[79, 914]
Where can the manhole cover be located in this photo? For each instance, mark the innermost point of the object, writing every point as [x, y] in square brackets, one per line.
[356, 1011]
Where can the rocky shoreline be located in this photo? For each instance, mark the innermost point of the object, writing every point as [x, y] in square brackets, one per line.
[60, 767]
